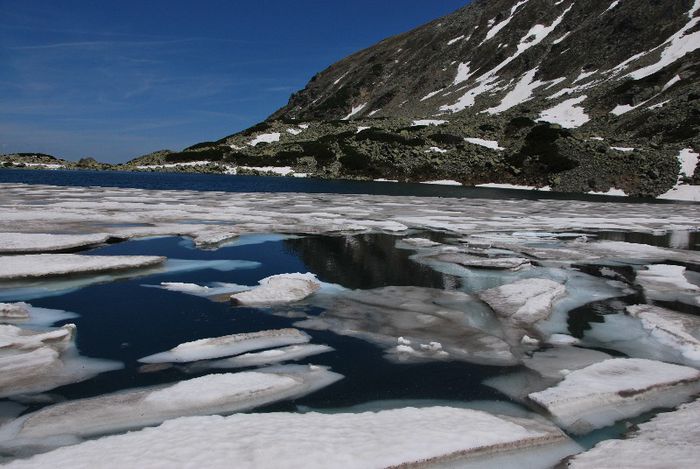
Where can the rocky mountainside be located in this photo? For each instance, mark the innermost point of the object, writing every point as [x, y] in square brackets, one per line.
[576, 95]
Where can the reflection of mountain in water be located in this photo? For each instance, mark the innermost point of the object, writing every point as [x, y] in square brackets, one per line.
[364, 261]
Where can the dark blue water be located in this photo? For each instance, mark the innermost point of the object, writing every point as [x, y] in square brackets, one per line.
[124, 321]
[226, 183]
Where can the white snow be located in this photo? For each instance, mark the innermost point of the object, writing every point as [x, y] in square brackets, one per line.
[583, 75]
[561, 39]
[682, 192]
[436, 150]
[494, 185]
[283, 288]
[610, 192]
[497, 27]
[340, 78]
[431, 94]
[44, 265]
[676, 47]
[354, 111]
[428, 122]
[178, 165]
[469, 98]
[216, 393]
[612, 5]
[623, 108]
[443, 182]
[521, 93]
[265, 138]
[524, 302]
[405, 437]
[453, 40]
[566, 113]
[294, 131]
[671, 82]
[602, 393]
[668, 440]
[688, 160]
[281, 170]
[463, 74]
[228, 345]
[492, 144]
[659, 105]
[623, 149]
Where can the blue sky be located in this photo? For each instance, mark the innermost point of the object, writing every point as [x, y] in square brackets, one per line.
[117, 79]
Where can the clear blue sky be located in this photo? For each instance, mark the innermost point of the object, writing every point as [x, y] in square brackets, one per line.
[116, 79]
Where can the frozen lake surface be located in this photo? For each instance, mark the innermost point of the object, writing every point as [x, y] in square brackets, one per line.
[335, 311]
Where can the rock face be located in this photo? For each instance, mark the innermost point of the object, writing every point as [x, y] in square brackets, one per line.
[579, 96]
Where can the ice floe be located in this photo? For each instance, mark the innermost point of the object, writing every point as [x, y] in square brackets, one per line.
[415, 324]
[524, 302]
[668, 440]
[46, 265]
[228, 345]
[14, 311]
[465, 260]
[27, 315]
[269, 357]
[400, 437]
[28, 289]
[32, 362]
[175, 212]
[668, 282]
[209, 394]
[282, 288]
[648, 331]
[600, 394]
[44, 242]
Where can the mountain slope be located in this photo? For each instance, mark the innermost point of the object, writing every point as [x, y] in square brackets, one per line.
[578, 95]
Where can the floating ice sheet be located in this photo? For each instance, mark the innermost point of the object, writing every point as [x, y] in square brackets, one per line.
[415, 324]
[228, 345]
[33, 288]
[215, 393]
[668, 283]
[650, 332]
[668, 440]
[283, 288]
[46, 265]
[434, 435]
[89, 210]
[267, 357]
[600, 394]
[45, 242]
[32, 362]
[524, 302]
